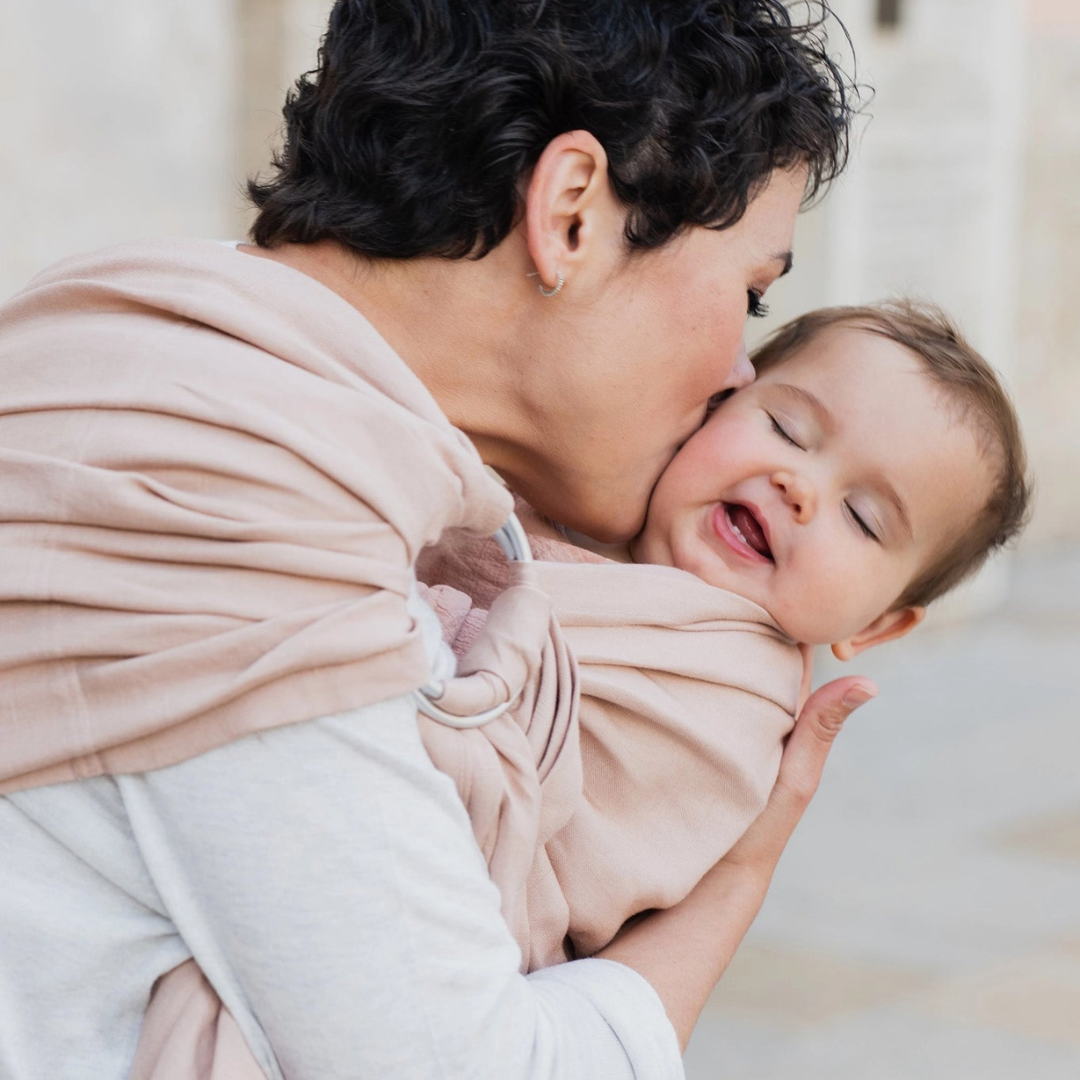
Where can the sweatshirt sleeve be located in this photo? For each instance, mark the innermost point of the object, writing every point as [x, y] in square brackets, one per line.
[325, 877]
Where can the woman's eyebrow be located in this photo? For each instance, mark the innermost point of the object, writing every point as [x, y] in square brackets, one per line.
[787, 258]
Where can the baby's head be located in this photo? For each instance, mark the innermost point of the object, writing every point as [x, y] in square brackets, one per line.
[874, 464]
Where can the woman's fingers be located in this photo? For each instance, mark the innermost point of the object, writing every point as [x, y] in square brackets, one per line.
[807, 682]
[683, 950]
[810, 741]
[801, 767]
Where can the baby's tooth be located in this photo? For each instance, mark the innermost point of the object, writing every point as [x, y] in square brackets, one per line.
[735, 528]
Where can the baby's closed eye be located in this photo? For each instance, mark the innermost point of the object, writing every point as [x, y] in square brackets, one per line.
[784, 431]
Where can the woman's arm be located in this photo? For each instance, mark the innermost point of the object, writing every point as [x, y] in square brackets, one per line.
[325, 878]
[684, 950]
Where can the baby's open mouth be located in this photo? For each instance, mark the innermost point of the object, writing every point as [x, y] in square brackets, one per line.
[748, 529]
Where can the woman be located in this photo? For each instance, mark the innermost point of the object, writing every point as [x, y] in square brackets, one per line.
[216, 476]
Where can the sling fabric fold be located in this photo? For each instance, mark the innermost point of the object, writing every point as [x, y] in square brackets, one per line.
[215, 477]
[630, 768]
[643, 746]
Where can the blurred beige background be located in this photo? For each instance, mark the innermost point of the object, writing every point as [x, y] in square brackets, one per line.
[926, 921]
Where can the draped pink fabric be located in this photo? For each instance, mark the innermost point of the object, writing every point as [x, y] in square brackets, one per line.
[215, 477]
[643, 747]
[652, 744]
[189, 1035]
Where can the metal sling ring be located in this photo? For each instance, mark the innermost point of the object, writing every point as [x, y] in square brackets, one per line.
[515, 544]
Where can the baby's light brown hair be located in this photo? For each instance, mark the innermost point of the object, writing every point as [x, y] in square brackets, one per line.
[972, 388]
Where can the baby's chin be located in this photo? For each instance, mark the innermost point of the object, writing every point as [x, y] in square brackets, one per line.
[808, 634]
[801, 630]
[654, 545]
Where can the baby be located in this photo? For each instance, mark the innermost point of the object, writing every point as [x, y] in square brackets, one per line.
[873, 465]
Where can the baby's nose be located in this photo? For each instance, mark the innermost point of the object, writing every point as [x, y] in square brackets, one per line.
[798, 493]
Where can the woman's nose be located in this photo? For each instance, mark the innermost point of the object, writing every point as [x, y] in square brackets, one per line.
[742, 374]
[798, 493]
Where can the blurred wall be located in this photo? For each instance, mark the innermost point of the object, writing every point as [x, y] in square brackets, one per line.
[1048, 344]
[117, 120]
[126, 118]
[278, 41]
[930, 204]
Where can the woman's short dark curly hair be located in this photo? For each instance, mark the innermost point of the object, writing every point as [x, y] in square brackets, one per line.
[414, 132]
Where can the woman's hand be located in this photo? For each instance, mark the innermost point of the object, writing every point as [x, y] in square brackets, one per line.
[801, 767]
[684, 950]
[807, 683]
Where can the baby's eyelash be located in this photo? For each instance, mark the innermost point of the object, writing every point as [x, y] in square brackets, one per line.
[756, 308]
[867, 531]
[782, 431]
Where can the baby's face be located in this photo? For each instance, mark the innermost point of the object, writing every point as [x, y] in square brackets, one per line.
[821, 490]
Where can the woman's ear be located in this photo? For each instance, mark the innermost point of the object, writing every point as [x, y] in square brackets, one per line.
[569, 204]
[888, 627]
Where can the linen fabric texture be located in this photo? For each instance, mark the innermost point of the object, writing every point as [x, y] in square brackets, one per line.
[647, 746]
[642, 747]
[215, 477]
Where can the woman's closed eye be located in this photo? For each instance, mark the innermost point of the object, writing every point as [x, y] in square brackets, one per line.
[756, 308]
[784, 432]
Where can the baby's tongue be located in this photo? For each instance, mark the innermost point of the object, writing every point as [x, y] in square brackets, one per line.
[748, 525]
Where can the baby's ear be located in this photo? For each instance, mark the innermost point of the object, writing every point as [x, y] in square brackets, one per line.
[888, 627]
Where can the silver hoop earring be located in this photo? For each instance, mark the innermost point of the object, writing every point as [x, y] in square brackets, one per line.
[553, 292]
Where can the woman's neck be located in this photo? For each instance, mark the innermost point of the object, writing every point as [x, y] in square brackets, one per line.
[469, 330]
[436, 314]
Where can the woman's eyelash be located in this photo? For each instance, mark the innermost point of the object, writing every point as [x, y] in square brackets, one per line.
[862, 524]
[783, 432]
[756, 308]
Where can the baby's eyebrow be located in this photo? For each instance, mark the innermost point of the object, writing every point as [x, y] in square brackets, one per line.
[810, 401]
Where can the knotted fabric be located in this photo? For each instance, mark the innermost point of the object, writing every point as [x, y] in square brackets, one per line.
[508, 648]
[215, 477]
